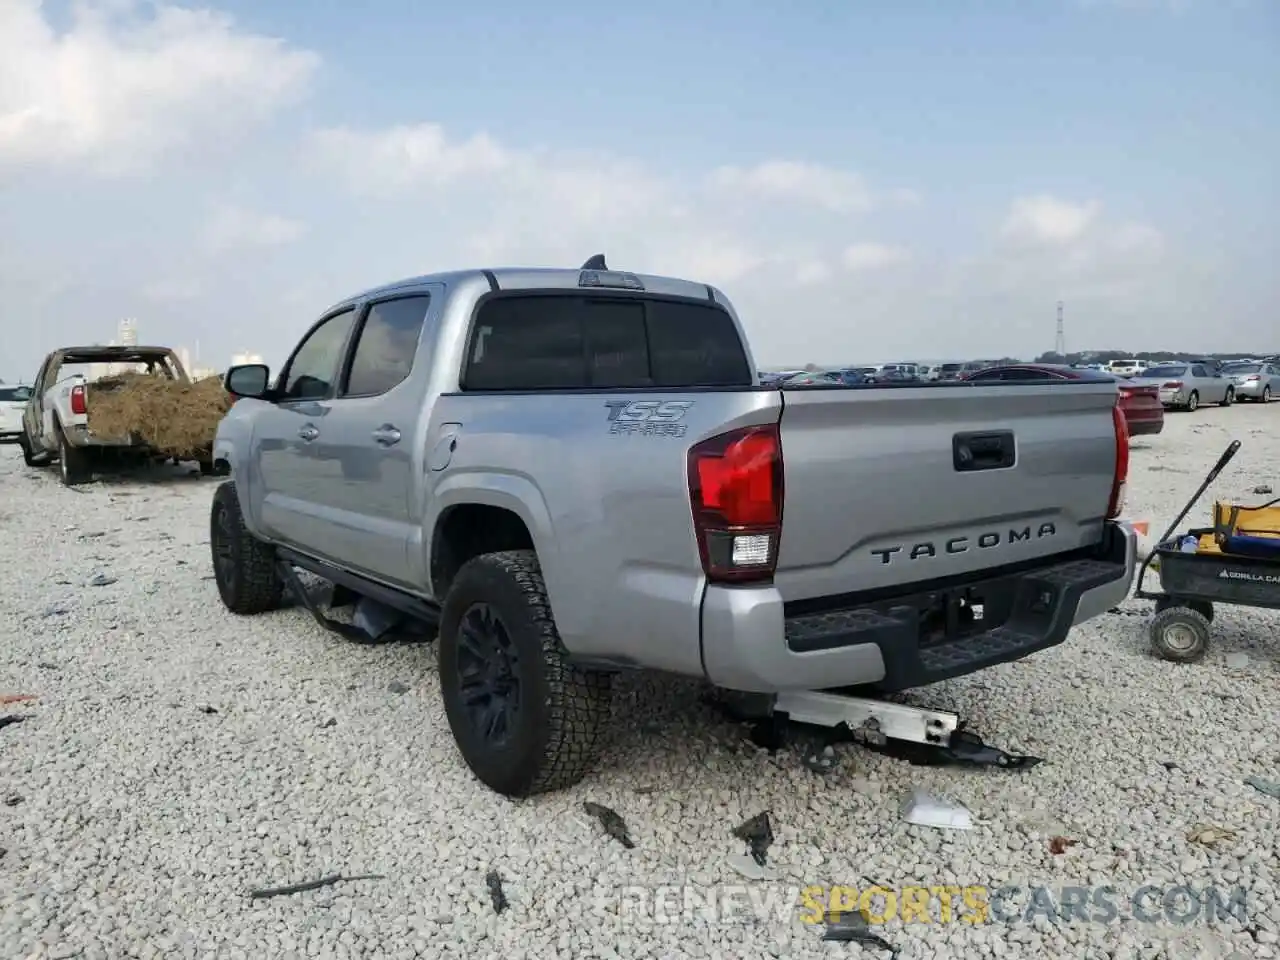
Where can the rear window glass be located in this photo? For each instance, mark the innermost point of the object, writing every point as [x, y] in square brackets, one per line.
[565, 341]
[1168, 370]
[15, 394]
[1242, 368]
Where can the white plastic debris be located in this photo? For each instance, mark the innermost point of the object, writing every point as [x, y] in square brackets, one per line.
[745, 865]
[924, 810]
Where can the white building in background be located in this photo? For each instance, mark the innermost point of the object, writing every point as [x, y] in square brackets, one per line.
[127, 334]
[240, 358]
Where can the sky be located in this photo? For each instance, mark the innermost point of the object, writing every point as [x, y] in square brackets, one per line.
[870, 181]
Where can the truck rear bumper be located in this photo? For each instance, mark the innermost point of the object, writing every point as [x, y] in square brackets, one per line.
[752, 641]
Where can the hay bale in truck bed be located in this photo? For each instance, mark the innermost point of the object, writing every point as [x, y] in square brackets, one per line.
[174, 419]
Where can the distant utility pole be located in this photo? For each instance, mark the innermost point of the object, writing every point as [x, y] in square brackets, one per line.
[1060, 342]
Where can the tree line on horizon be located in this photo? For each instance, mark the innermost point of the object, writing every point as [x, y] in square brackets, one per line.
[1107, 356]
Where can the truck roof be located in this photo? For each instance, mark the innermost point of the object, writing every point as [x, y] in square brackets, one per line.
[544, 278]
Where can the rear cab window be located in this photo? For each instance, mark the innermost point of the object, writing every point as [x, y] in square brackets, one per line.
[548, 341]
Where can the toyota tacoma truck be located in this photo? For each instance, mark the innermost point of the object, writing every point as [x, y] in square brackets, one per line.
[571, 473]
[56, 420]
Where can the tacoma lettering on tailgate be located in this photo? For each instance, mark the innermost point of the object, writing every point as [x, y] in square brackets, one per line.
[984, 541]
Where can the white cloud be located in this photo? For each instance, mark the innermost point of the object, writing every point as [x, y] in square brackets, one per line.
[794, 181]
[234, 227]
[862, 257]
[1045, 219]
[120, 87]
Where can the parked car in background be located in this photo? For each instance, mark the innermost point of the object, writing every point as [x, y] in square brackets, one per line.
[1140, 403]
[1188, 385]
[950, 371]
[1126, 368]
[811, 378]
[1254, 380]
[13, 400]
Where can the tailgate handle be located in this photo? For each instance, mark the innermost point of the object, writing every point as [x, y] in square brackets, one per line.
[982, 451]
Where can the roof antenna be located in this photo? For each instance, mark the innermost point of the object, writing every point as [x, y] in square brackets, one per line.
[596, 263]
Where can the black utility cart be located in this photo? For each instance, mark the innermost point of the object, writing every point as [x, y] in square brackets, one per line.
[1191, 583]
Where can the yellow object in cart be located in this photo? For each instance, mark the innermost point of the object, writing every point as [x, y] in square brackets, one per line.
[1234, 520]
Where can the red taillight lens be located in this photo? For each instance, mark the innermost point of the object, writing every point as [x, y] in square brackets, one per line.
[77, 400]
[1173, 385]
[1253, 379]
[735, 487]
[1121, 476]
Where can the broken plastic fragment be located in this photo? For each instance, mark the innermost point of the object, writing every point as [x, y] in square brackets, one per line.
[746, 866]
[614, 825]
[1209, 835]
[493, 880]
[965, 749]
[924, 810]
[376, 619]
[758, 834]
[853, 928]
[1270, 787]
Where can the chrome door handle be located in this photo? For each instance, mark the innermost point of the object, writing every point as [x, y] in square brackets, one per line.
[308, 432]
[386, 435]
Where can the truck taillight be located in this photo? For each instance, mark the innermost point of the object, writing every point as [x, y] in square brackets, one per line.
[77, 400]
[1121, 475]
[735, 488]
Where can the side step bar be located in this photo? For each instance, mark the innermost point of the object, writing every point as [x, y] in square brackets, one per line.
[872, 720]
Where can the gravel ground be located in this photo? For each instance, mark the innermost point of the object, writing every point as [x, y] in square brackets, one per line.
[178, 757]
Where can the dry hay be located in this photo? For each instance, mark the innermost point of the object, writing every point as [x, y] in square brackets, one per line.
[174, 419]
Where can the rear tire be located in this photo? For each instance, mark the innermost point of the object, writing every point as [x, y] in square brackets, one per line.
[74, 466]
[244, 567]
[1266, 394]
[525, 720]
[1229, 398]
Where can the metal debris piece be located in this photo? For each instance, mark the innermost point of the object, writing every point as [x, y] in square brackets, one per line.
[1208, 835]
[1270, 787]
[493, 880]
[102, 580]
[925, 810]
[614, 825]
[757, 833]
[965, 749]
[375, 619]
[309, 885]
[853, 928]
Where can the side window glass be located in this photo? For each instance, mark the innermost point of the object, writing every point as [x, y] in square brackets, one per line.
[388, 340]
[314, 365]
[526, 343]
[1198, 371]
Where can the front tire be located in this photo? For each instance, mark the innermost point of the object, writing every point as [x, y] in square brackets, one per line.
[1193, 402]
[244, 567]
[525, 720]
[1180, 634]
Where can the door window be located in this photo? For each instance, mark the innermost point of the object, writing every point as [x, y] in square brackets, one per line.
[314, 365]
[387, 342]
[1198, 371]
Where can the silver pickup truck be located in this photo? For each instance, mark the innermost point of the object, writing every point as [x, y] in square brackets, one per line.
[577, 472]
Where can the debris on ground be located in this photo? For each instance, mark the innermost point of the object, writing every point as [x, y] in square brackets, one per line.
[102, 580]
[7, 698]
[310, 885]
[821, 761]
[493, 880]
[1059, 845]
[1269, 787]
[1237, 661]
[612, 822]
[853, 928]
[1262, 488]
[749, 868]
[1209, 835]
[376, 619]
[925, 810]
[397, 687]
[965, 749]
[12, 719]
[757, 833]
[207, 709]
[12, 800]
[1171, 764]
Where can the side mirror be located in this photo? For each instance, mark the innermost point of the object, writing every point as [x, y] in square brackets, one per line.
[248, 380]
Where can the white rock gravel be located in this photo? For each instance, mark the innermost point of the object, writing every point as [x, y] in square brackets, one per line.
[139, 820]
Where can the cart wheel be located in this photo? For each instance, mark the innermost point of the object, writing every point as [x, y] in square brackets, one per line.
[1180, 634]
[1202, 607]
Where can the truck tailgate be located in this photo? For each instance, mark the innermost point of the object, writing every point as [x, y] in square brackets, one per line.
[890, 487]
